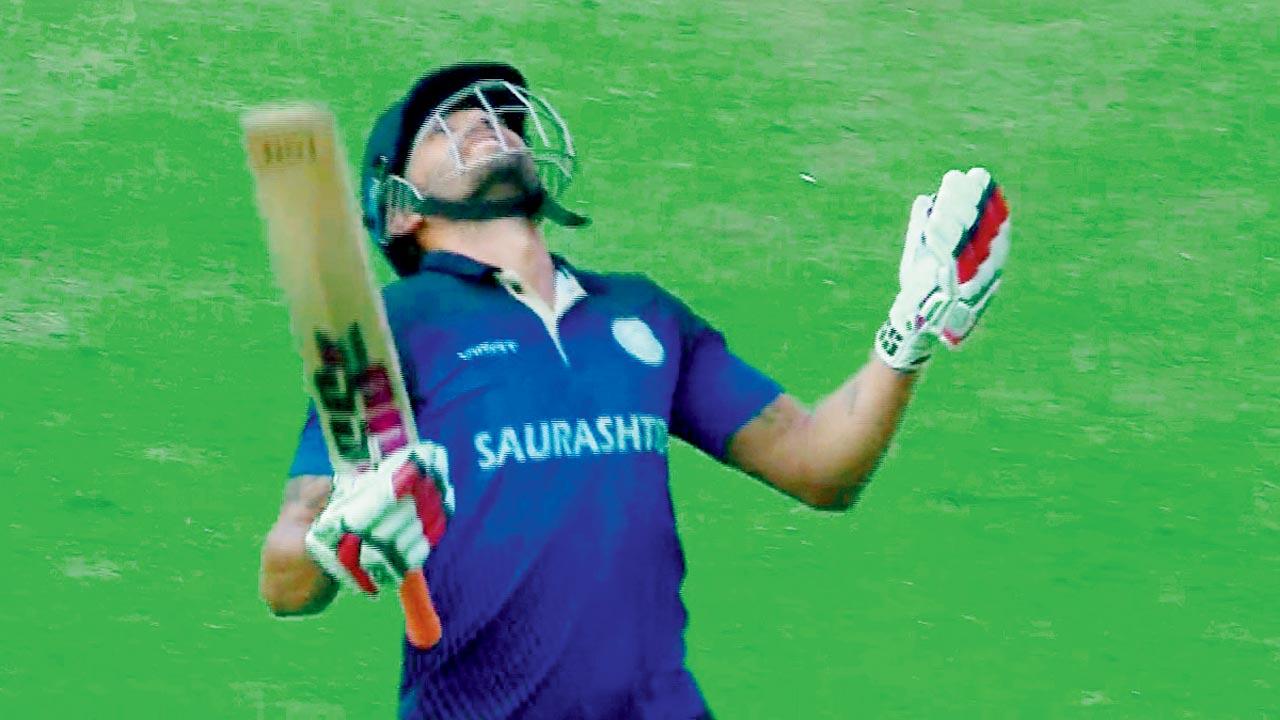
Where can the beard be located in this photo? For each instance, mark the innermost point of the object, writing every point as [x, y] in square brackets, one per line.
[506, 176]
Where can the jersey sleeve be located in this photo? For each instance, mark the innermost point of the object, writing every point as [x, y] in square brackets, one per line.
[717, 392]
[311, 457]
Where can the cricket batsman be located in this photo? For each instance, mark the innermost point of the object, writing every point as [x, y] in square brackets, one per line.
[549, 394]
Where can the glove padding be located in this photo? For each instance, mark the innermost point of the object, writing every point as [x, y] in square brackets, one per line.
[382, 523]
[952, 260]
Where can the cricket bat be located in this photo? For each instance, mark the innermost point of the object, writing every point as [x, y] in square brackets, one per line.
[321, 261]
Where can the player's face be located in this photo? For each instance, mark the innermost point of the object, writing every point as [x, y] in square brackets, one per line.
[470, 161]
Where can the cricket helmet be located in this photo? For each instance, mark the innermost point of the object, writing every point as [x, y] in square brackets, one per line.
[502, 92]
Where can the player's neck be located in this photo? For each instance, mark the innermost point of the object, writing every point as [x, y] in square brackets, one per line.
[515, 245]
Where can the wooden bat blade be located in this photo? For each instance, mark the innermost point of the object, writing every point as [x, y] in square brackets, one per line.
[321, 262]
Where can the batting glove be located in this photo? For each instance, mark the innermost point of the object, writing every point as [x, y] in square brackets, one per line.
[382, 523]
[952, 260]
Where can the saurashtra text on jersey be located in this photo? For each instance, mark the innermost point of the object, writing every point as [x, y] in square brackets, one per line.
[546, 439]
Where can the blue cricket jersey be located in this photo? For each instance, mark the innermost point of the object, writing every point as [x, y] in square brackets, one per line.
[558, 579]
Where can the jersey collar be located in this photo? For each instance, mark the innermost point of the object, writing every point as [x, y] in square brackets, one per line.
[451, 263]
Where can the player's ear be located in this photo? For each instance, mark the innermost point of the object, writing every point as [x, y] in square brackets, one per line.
[403, 222]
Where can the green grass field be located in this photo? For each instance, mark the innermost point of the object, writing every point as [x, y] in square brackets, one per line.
[1081, 516]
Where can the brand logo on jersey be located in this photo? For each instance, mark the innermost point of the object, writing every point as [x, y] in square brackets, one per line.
[604, 435]
[634, 335]
[490, 347]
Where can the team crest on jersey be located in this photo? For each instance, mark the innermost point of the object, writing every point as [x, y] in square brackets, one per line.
[635, 336]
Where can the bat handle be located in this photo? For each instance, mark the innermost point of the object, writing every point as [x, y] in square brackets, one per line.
[421, 623]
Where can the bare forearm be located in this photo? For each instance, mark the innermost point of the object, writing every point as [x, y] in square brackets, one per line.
[850, 429]
[824, 456]
[289, 581]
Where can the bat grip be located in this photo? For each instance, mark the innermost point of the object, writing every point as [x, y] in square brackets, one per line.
[421, 623]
